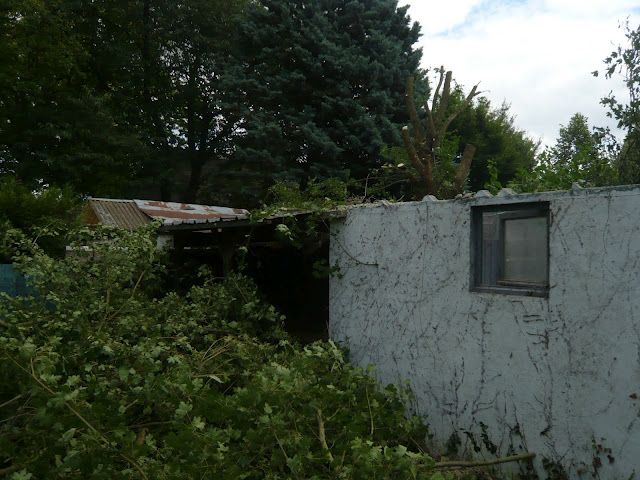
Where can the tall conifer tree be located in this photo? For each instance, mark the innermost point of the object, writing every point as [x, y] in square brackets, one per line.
[323, 84]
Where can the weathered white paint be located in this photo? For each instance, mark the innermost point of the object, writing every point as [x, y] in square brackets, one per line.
[554, 376]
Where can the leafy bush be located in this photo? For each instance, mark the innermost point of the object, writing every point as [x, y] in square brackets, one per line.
[40, 214]
[315, 195]
[312, 203]
[99, 379]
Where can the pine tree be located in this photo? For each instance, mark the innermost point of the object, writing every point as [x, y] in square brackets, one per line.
[323, 84]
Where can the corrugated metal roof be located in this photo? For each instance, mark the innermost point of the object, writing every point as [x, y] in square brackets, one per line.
[171, 213]
[118, 213]
[131, 214]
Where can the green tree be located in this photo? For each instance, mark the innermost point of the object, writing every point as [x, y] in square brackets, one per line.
[323, 85]
[41, 215]
[115, 97]
[628, 162]
[54, 126]
[498, 140]
[579, 155]
[201, 118]
[625, 61]
[502, 148]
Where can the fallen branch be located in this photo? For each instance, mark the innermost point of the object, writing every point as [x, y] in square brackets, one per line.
[18, 397]
[486, 463]
[68, 404]
[15, 467]
[366, 391]
[9, 470]
[322, 436]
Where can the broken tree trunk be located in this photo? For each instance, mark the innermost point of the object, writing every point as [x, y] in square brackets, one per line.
[425, 137]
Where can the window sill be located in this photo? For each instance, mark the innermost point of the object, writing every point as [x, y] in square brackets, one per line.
[542, 292]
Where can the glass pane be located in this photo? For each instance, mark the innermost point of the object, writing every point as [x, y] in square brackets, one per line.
[490, 247]
[525, 250]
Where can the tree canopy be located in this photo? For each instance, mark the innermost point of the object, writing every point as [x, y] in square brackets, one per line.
[56, 123]
[214, 101]
[498, 141]
[323, 85]
[625, 61]
[113, 97]
[579, 154]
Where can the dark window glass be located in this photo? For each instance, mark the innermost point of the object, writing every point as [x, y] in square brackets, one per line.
[525, 250]
[511, 248]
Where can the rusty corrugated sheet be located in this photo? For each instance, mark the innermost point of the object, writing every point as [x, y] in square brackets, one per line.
[118, 213]
[171, 213]
[131, 214]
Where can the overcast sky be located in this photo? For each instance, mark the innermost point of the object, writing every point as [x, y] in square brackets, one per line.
[537, 55]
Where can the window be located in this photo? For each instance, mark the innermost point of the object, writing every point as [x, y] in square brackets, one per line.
[511, 249]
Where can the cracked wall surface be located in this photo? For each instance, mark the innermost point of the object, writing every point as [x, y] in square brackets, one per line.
[558, 376]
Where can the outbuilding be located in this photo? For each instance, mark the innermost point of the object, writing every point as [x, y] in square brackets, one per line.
[513, 319]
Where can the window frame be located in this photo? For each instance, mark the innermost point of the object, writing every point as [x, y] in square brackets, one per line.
[495, 270]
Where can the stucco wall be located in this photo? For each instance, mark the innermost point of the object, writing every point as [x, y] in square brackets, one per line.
[558, 376]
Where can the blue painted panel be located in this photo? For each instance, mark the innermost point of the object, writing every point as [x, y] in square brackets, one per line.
[12, 282]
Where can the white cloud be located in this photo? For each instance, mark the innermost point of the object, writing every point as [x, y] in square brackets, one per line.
[437, 17]
[537, 55]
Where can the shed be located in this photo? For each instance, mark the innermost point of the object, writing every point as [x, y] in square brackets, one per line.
[514, 319]
[199, 235]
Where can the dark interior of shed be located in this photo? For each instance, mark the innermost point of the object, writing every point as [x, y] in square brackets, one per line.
[291, 278]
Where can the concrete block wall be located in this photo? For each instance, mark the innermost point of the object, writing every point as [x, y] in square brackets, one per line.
[558, 376]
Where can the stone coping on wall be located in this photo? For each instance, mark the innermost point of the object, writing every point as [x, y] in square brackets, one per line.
[506, 195]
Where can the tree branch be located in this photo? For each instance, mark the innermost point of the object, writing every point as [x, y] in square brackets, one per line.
[423, 168]
[10, 469]
[422, 149]
[434, 101]
[322, 435]
[486, 463]
[431, 128]
[413, 113]
[472, 94]
[444, 102]
[462, 171]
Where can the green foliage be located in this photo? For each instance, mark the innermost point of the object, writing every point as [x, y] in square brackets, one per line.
[301, 211]
[113, 97]
[316, 195]
[41, 215]
[395, 179]
[625, 61]
[497, 139]
[102, 378]
[628, 161]
[57, 125]
[445, 166]
[578, 155]
[493, 184]
[323, 83]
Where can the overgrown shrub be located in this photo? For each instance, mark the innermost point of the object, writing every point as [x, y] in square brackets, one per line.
[42, 214]
[99, 379]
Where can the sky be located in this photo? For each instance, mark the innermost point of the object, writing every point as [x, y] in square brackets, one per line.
[537, 55]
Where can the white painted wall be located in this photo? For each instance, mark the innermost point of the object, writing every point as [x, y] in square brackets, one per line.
[551, 375]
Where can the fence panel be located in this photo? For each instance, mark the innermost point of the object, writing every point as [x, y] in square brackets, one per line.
[12, 282]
